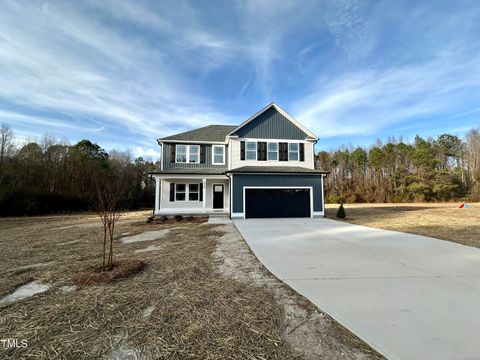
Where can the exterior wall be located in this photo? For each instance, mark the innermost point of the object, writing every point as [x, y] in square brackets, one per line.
[239, 181]
[193, 206]
[271, 125]
[168, 164]
[234, 146]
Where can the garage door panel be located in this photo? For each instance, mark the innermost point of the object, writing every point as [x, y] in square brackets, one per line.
[275, 203]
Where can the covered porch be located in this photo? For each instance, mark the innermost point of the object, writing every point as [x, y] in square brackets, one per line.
[191, 194]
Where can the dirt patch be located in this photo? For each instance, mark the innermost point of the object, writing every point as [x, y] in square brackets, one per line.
[439, 220]
[175, 220]
[121, 270]
[145, 236]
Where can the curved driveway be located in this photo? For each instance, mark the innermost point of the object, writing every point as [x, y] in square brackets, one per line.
[409, 296]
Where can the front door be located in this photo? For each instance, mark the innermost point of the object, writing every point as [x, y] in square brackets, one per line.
[217, 196]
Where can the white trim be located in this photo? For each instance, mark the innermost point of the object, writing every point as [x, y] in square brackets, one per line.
[187, 192]
[213, 154]
[323, 197]
[157, 193]
[238, 215]
[183, 176]
[298, 152]
[278, 187]
[230, 189]
[256, 150]
[161, 154]
[318, 213]
[276, 140]
[204, 192]
[278, 150]
[193, 142]
[172, 211]
[223, 195]
[281, 111]
[187, 154]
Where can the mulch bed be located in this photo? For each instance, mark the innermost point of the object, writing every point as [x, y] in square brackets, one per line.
[121, 270]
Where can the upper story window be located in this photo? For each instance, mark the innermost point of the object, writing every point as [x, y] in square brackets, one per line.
[251, 150]
[218, 155]
[272, 151]
[187, 153]
[293, 151]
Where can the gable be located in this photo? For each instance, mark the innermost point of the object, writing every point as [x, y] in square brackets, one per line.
[271, 124]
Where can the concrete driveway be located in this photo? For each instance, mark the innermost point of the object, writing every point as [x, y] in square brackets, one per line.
[409, 296]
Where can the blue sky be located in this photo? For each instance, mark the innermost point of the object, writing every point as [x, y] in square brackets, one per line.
[123, 73]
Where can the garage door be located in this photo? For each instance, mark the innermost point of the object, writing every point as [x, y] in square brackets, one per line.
[276, 203]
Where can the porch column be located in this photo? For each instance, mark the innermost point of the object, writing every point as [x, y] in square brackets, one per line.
[204, 185]
[157, 194]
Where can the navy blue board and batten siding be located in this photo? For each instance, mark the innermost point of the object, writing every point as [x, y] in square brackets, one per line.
[271, 125]
[169, 165]
[281, 180]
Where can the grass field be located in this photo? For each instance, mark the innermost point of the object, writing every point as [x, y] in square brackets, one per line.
[202, 295]
[440, 220]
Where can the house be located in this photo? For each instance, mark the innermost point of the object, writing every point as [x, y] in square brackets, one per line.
[261, 168]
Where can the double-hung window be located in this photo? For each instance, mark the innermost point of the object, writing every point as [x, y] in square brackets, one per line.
[272, 151]
[193, 190]
[181, 152]
[251, 150]
[218, 152]
[187, 153]
[180, 192]
[187, 192]
[293, 151]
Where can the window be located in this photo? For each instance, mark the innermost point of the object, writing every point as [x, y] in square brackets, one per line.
[194, 154]
[187, 154]
[293, 151]
[181, 153]
[180, 192]
[187, 192]
[218, 155]
[193, 190]
[272, 151]
[251, 150]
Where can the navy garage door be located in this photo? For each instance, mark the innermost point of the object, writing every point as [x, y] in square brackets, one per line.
[277, 203]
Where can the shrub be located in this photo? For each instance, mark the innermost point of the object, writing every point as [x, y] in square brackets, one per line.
[341, 212]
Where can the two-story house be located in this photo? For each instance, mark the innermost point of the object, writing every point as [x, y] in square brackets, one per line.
[261, 168]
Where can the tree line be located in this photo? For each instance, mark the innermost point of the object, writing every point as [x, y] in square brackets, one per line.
[443, 169]
[49, 175]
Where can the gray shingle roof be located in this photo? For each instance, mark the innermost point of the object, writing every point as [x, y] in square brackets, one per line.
[275, 169]
[216, 133]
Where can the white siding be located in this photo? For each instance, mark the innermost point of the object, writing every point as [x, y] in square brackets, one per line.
[195, 206]
[234, 149]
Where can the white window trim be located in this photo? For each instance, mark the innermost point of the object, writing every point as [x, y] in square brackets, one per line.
[273, 142]
[298, 152]
[246, 150]
[187, 192]
[187, 156]
[213, 154]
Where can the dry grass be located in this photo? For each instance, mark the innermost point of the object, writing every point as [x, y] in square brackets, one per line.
[180, 306]
[440, 220]
[96, 275]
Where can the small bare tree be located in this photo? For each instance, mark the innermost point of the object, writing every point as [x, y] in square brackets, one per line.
[108, 204]
[7, 146]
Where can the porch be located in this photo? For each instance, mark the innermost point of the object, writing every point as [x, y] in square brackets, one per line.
[191, 195]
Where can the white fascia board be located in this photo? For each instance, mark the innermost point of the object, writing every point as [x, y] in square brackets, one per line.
[194, 142]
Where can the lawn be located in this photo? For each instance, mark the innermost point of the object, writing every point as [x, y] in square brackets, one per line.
[440, 220]
[202, 294]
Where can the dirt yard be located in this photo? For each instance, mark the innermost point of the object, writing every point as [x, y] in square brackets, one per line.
[443, 221]
[203, 294]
